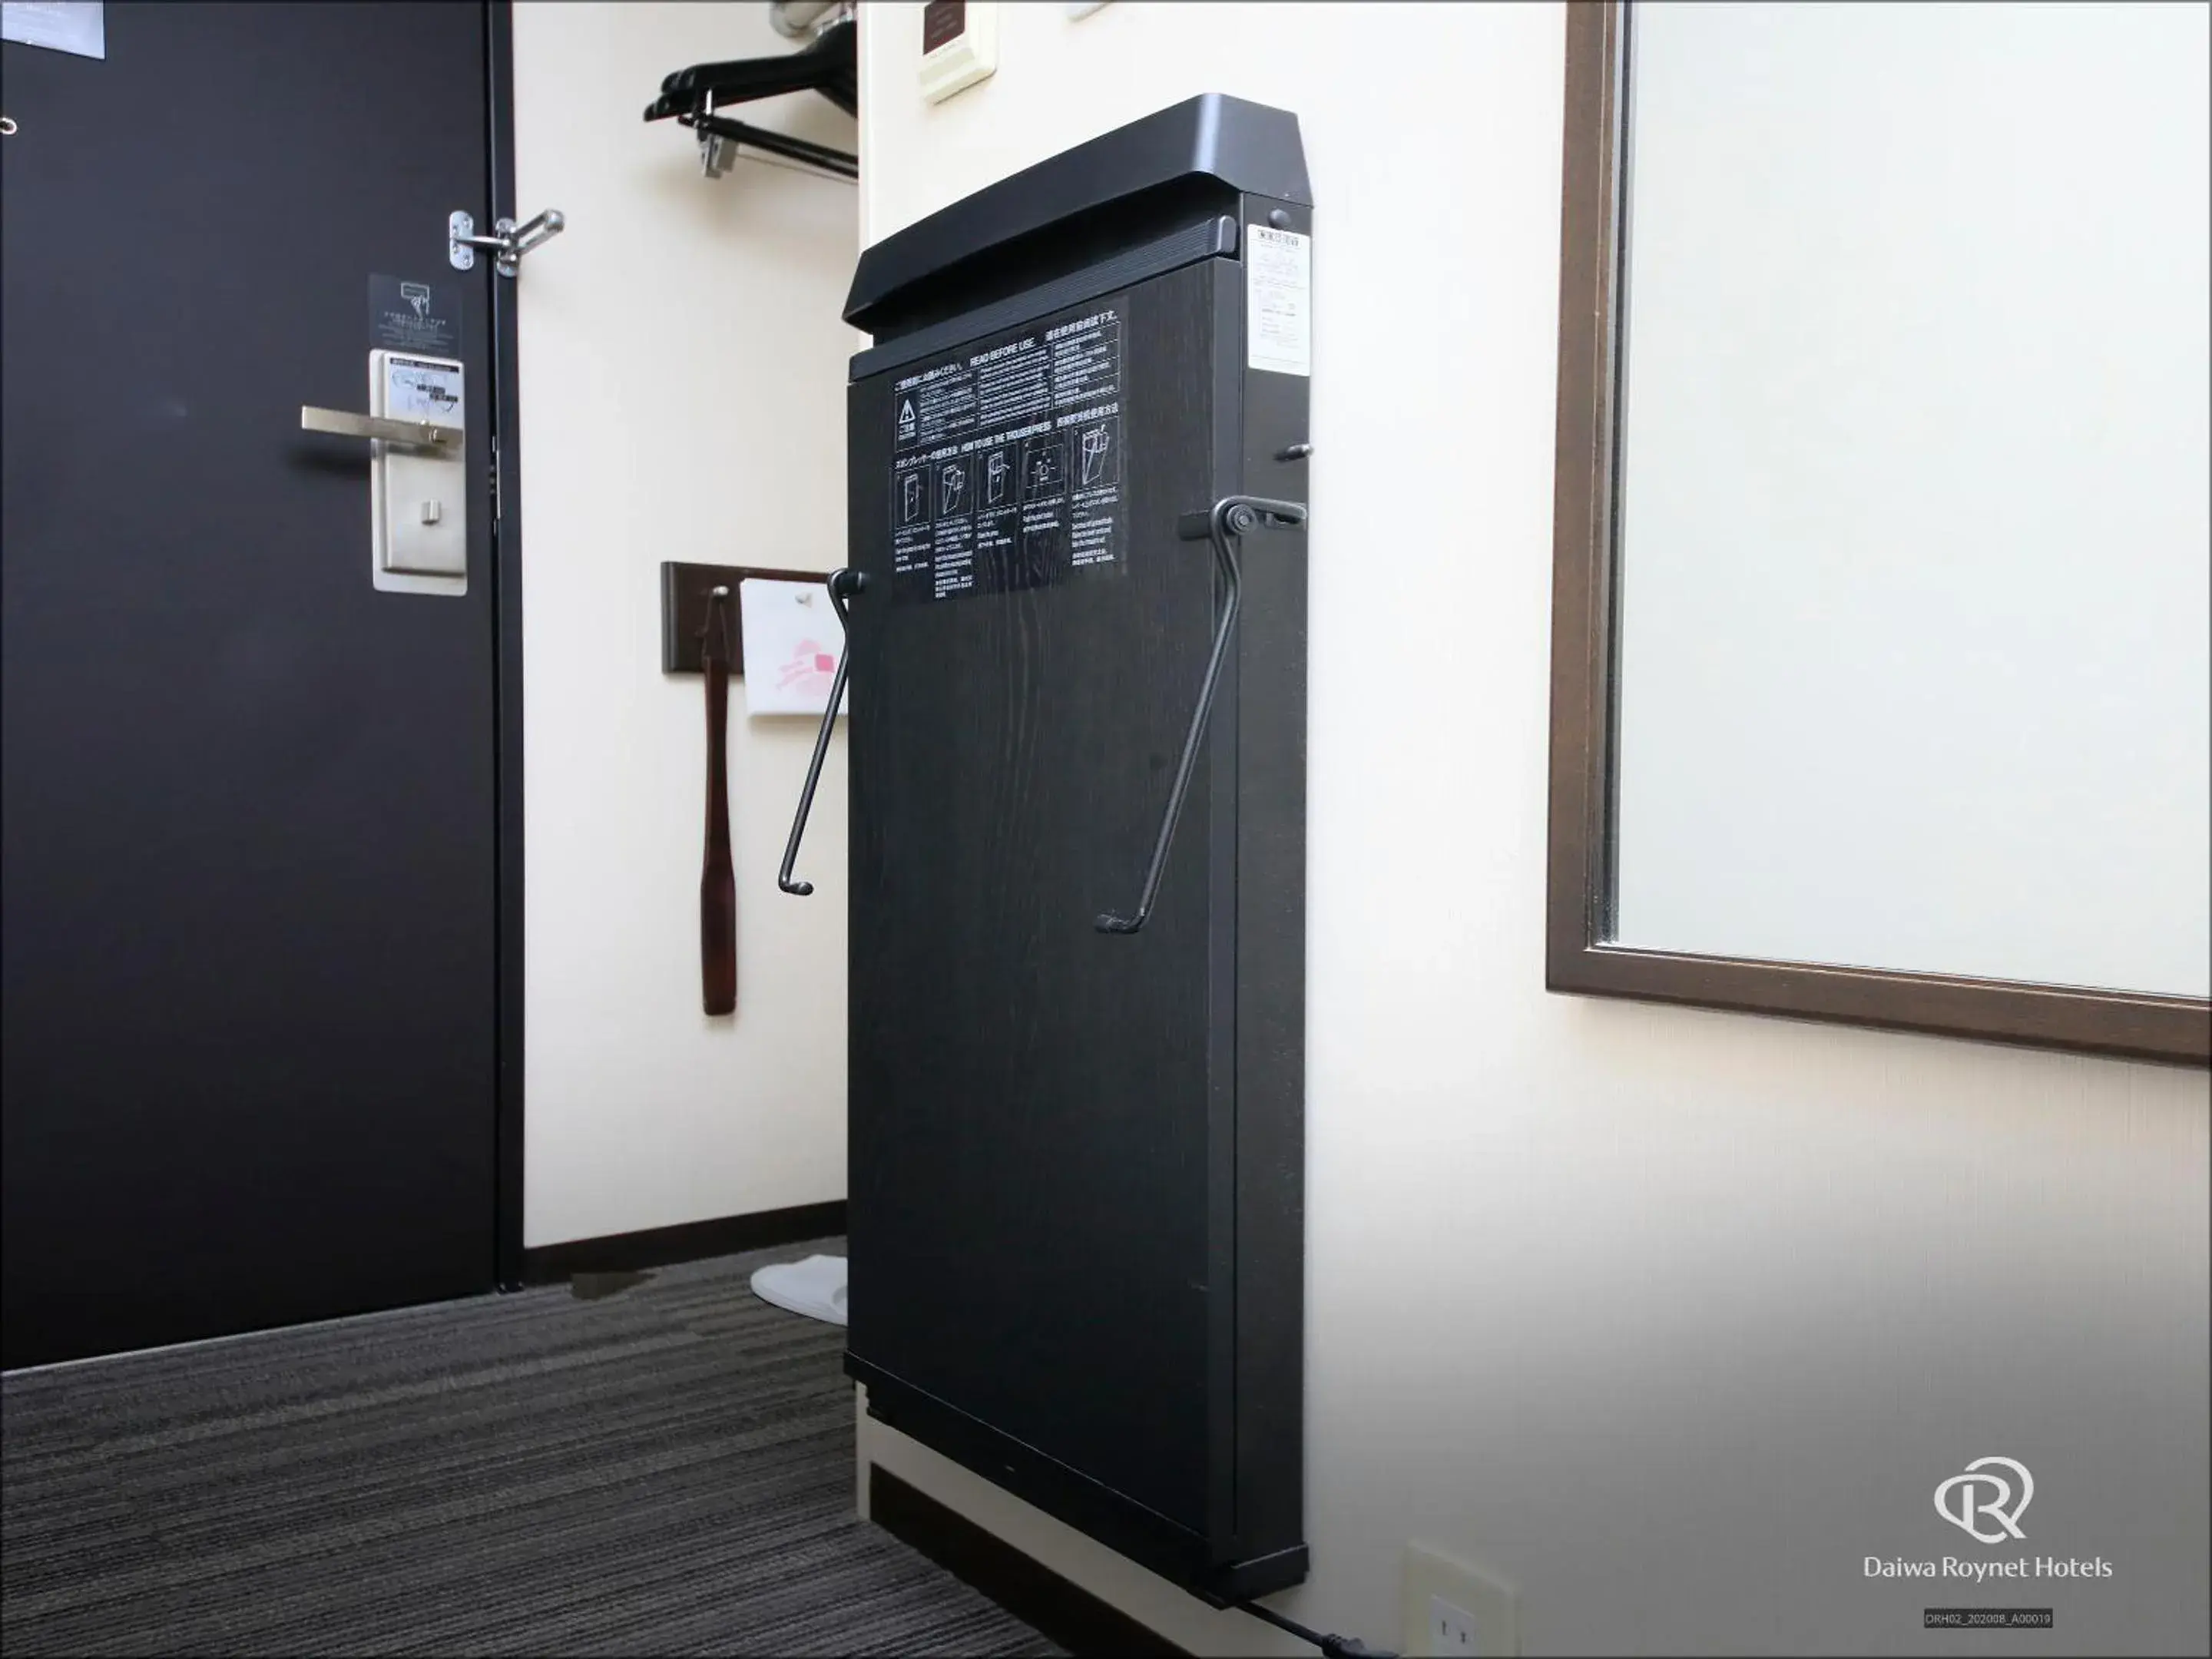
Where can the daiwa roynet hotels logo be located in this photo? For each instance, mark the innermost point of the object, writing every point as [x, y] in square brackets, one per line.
[1979, 1494]
[1986, 1502]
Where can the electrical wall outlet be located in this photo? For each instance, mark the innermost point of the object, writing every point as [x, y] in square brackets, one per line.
[1451, 1628]
[1451, 1607]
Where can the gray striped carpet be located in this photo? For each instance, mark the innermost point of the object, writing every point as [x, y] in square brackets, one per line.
[666, 1470]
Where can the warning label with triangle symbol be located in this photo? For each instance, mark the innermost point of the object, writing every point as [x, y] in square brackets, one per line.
[906, 418]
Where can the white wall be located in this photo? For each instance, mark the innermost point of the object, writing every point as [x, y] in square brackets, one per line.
[1916, 649]
[683, 371]
[1669, 1317]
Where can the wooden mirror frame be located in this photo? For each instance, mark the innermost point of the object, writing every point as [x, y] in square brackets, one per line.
[1581, 954]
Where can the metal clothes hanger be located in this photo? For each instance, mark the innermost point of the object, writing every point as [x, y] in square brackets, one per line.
[828, 65]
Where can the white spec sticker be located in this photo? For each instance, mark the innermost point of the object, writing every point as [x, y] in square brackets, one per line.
[423, 390]
[1278, 300]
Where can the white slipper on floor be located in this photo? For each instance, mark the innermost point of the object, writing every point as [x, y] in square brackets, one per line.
[815, 1287]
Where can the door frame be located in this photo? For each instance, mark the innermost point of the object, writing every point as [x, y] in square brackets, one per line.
[507, 691]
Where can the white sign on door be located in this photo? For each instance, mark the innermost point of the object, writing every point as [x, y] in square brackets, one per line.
[77, 26]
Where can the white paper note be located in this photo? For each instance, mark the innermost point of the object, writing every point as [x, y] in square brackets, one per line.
[792, 644]
[77, 26]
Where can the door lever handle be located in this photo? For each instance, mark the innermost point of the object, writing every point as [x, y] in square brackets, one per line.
[842, 585]
[1231, 517]
[416, 435]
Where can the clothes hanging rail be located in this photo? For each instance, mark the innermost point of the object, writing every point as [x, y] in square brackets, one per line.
[828, 65]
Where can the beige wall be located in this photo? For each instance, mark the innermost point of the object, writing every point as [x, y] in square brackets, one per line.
[1669, 1317]
[682, 371]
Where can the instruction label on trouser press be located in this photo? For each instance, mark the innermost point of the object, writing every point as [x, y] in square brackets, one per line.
[1006, 466]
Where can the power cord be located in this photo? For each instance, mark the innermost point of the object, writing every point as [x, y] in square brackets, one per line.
[1332, 1647]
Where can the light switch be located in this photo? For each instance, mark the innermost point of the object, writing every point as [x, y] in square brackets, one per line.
[959, 45]
[433, 511]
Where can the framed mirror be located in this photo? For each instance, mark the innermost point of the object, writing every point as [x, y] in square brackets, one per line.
[1882, 634]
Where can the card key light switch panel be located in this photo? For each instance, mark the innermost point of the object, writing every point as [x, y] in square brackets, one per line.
[959, 45]
[419, 498]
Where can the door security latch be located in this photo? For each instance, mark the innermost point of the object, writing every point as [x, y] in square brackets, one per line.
[508, 241]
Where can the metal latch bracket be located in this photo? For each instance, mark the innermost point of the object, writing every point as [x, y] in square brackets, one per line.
[508, 241]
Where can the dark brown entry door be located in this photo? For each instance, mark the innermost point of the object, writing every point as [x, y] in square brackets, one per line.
[247, 902]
